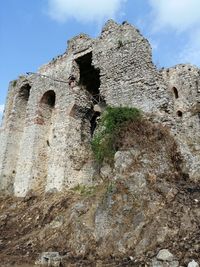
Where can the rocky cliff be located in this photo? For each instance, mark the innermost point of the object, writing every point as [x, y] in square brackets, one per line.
[140, 204]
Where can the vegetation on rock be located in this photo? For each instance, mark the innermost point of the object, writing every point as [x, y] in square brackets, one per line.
[104, 143]
[84, 190]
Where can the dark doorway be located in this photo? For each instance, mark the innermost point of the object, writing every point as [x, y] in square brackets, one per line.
[93, 122]
[89, 77]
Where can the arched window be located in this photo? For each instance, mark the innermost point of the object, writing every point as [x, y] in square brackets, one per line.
[49, 98]
[47, 104]
[18, 119]
[175, 91]
[20, 104]
[24, 92]
[45, 123]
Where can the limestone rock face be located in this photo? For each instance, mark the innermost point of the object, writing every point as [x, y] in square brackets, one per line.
[136, 208]
[52, 259]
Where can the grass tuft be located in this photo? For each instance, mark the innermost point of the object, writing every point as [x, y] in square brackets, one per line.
[84, 190]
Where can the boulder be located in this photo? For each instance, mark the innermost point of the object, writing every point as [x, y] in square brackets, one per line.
[165, 255]
[193, 264]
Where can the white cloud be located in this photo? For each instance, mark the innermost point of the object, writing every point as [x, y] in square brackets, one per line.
[180, 15]
[84, 10]
[191, 51]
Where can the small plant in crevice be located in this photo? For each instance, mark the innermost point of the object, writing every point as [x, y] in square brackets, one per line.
[14, 83]
[111, 188]
[120, 43]
[104, 142]
[84, 190]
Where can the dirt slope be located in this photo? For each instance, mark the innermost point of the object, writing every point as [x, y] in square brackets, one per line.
[145, 202]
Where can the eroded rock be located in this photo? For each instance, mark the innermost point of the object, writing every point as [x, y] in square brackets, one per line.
[50, 259]
[165, 255]
[193, 263]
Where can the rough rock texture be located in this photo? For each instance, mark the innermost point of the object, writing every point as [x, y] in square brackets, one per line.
[193, 264]
[50, 116]
[165, 255]
[143, 207]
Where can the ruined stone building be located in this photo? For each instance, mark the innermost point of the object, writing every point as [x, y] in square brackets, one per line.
[50, 116]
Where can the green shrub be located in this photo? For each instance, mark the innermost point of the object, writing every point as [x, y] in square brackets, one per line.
[14, 83]
[104, 140]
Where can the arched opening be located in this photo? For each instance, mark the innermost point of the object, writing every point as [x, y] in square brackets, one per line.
[180, 113]
[45, 126]
[20, 106]
[175, 92]
[24, 92]
[49, 99]
[17, 128]
[47, 104]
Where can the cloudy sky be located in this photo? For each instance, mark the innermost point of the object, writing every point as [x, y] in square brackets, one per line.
[32, 32]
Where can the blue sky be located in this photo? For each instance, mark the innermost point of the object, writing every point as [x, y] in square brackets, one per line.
[32, 32]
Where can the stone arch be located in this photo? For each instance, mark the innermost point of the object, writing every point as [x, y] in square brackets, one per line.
[24, 92]
[16, 128]
[47, 104]
[46, 112]
[20, 107]
[175, 91]
[48, 99]
[20, 104]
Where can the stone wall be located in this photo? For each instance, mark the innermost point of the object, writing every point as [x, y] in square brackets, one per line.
[46, 131]
[183, 83]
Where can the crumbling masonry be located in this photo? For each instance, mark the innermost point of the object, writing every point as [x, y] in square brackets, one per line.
[50, 116]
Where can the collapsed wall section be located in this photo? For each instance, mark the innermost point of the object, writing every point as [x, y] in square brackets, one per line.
[128, 76]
